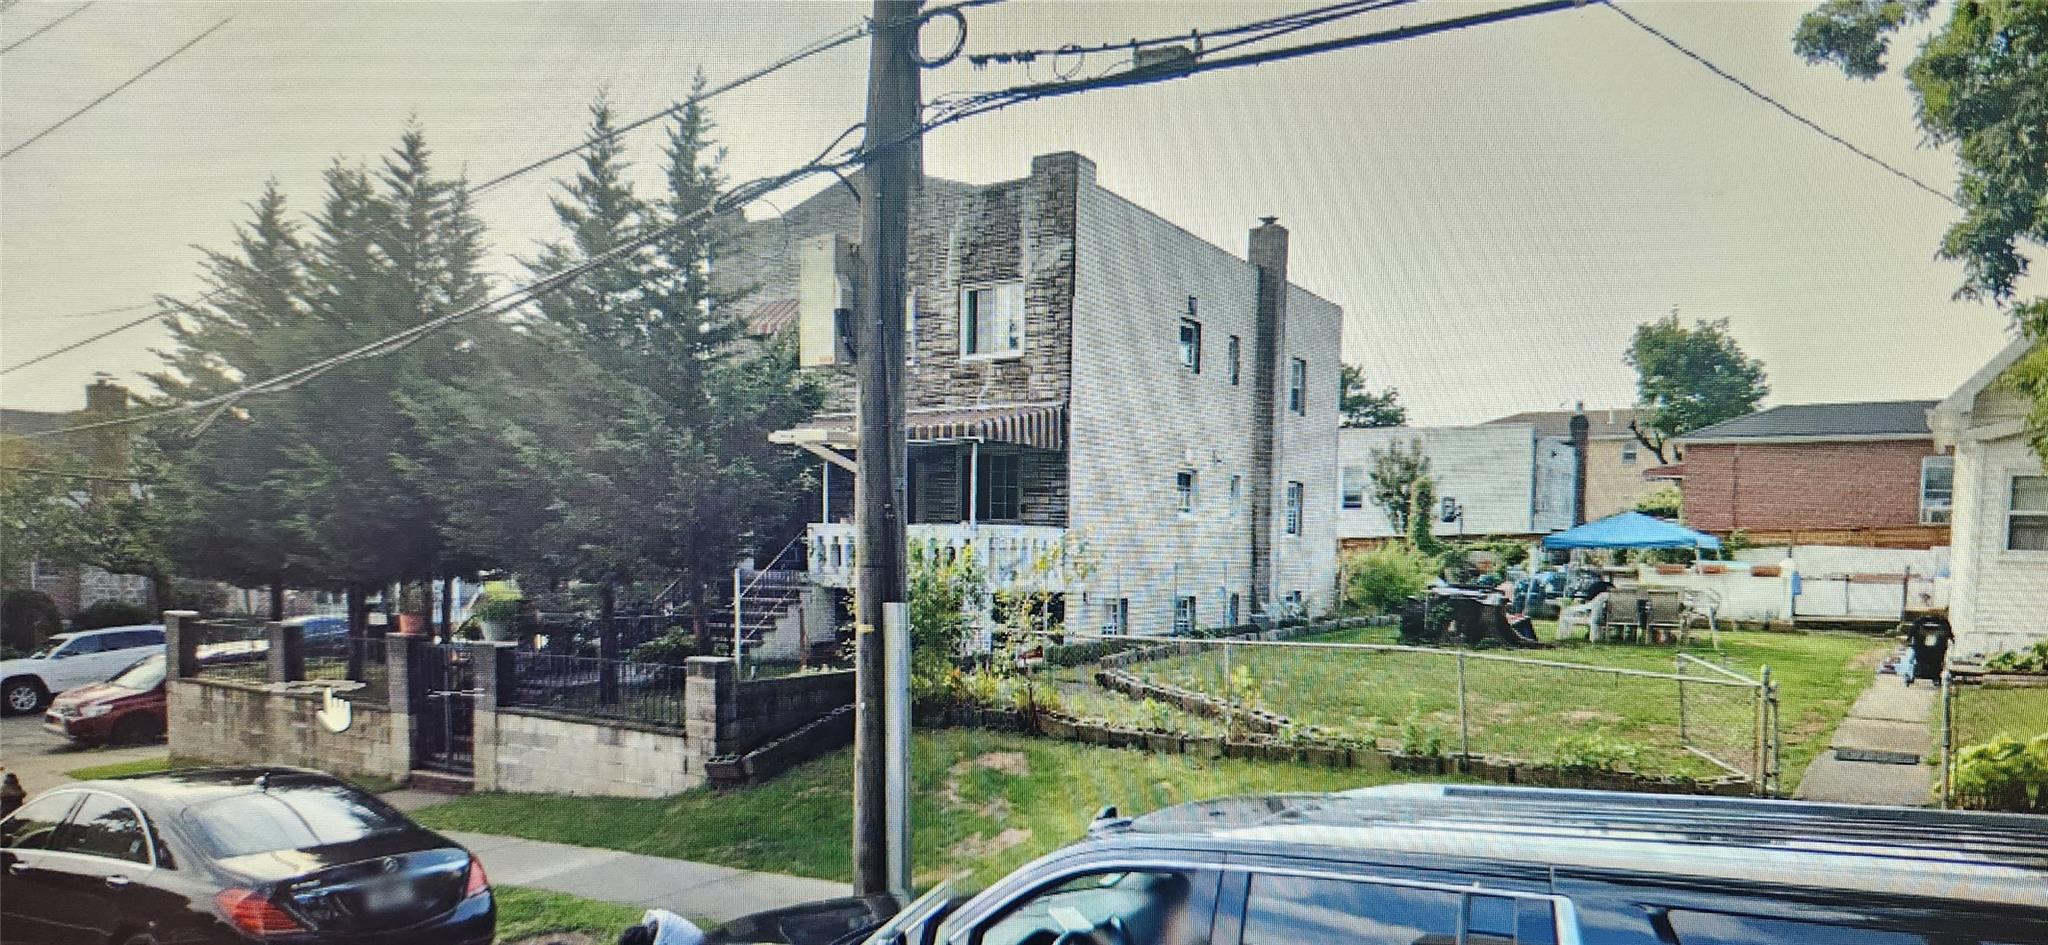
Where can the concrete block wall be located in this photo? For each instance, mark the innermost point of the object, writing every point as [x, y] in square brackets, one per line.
[534, 753]
[237, 723]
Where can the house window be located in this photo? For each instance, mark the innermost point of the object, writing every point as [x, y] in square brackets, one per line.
[910, 327]
[1184, 614]
[1937, 488]
[992, 321]
[1184, 490]
[1354, 487]
[1230, 612]
[1297, 387]
[2026, 522]
[1294, 508]
[1236, 360]
[1119, 616]
[1000, 491]
[1628, 454]
[1191, 345]
[1236, 491]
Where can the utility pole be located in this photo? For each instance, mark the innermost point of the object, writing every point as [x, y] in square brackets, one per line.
[894, 169]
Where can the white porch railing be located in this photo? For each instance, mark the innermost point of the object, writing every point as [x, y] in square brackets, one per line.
[1008, 554]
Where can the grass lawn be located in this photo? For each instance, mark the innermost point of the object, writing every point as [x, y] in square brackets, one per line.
[985, 803]
[526, 912]
[124, 768]
[1988, 711]
[1523, 712]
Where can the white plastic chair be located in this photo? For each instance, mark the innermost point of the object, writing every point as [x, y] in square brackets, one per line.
[1591, 613]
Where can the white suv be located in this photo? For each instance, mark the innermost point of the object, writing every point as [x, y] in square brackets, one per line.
[69, 660]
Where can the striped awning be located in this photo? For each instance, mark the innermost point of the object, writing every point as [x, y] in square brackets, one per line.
[1041, 425]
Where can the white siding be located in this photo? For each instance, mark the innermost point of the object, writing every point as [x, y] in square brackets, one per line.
[1137, 417]
[1998, 598]
[1490, 470]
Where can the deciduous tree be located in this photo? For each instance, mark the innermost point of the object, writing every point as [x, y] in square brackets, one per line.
[1359, 406]
[1690, 377]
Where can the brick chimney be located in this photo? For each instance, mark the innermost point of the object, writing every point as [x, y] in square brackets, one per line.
[1268, 255]
[1582, 444]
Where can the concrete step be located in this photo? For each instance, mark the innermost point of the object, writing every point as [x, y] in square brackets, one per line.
[440, 782]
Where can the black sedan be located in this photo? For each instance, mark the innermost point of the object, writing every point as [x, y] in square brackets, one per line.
[233, 855]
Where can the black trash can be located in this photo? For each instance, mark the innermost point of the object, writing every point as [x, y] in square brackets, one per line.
[1930, 646]
[1414, 621]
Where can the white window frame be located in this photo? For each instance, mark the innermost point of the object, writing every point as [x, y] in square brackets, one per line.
[1013, 292]
[1184, 614]
[1297, 387]
[1629, 453]
[1185, 499]
[1347, 477]
[1189, 339]
[1937, 513]
[2012, 511]
[1296, 498]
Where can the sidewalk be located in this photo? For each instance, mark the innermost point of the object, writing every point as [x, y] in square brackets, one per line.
[1877, 752]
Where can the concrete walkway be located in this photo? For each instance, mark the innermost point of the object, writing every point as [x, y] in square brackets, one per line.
[701, 890]
[1877, 752]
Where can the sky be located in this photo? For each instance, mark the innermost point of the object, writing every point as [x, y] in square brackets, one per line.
[1495, 209]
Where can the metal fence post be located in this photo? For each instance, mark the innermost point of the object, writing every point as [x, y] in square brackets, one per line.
[738, 633]
[1464, 726]
[1759, 773]
[1229, 694]
[1684, 737]
[1948, 731]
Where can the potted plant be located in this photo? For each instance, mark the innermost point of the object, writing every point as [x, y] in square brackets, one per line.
[412, 612]
[497, 613]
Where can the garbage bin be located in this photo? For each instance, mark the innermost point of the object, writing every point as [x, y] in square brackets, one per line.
[1415, 620]
[1930, 646]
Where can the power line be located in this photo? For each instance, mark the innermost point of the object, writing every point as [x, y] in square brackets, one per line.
[1760, 96]
[110, 93]
[10, 47]
[1072, 49]
[89, 339]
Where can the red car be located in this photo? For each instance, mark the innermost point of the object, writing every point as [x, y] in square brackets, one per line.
[126, 709]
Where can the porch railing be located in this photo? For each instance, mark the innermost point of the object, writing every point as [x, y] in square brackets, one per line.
[1010, 555]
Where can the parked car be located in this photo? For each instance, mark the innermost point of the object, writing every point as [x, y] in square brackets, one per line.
[321, 635]
[70, 660]
[126, 709]
[234, 855]
[1515, 866]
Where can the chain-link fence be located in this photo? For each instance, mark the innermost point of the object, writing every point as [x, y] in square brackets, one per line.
[1700, 720]
[1993, 737]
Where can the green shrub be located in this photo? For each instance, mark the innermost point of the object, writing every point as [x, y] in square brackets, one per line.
[2033, 659]
[2004, 774]
[1665, 501]
[1379, 579]
[1419, 740]
[1594, 751]
[112, 613]
[673, 648]
[26, 618]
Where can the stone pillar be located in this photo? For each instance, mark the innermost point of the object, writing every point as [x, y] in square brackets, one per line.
[181, 642]
[494, 680]
[287, 653]
[710, 709]
[398, 658]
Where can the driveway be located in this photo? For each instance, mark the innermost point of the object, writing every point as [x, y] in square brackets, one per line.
[40, 758]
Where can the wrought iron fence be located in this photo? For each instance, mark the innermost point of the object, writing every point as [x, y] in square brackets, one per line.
[649, 693]
[225, 649]
[1699, 721]
[352, 658]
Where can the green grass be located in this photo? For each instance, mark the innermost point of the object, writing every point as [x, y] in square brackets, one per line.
[125, 768]
[526, 912]
[1523, 712]
[984, 802]
[1985, 712]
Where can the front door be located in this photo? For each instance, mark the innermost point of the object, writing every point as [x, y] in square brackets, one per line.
[444, 702]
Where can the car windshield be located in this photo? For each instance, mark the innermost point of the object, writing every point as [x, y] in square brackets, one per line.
[292, 817]
[50, 647]
[145, 675]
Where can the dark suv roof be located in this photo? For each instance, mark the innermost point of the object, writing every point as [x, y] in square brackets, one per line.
[1988, 858]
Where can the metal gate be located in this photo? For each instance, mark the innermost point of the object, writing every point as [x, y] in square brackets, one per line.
[1730, 719]
[444, 706]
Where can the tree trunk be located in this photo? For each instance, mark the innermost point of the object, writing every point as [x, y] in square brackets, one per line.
[160, 590]
[697, 623]
[390, 605]
[448, 605]
[608, 645]
[427, 609]
[358, 628]
[277, 600]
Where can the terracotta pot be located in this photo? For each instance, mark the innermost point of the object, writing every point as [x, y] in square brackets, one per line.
[1765, 570]
[412, 625]
[1671, 569]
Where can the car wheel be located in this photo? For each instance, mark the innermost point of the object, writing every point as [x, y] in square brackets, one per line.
[22, 696]
[135, 730]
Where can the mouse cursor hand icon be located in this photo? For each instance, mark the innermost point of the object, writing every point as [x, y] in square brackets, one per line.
[335, 714]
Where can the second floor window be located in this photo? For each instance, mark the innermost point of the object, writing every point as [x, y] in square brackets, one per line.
[1297, 387]
[1236, 360]
[1628, 454]
[1184, 490]
[1294, 508]
[992, 321]
[1354, 487]
[1191, 345]
[1937, 488]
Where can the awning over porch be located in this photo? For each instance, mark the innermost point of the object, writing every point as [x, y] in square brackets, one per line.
[1042, 425]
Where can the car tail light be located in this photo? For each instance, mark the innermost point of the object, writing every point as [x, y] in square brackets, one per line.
[253, 913]
[478, 882]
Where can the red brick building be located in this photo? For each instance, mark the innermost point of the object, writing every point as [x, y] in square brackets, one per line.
[1836, 474]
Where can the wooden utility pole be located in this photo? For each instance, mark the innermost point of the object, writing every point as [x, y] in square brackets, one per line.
[895, 166]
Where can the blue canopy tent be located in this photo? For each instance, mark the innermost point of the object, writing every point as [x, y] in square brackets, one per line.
[1631, 530]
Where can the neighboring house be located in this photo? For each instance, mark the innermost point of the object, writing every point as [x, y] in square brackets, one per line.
[1848, 474]
[1614, 460]
[1082, 374]
[76, 587]
[1998, 586]
[1496, 480]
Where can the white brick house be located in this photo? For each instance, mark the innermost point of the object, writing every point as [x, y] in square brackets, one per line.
[1083, 371]
[1998, 590]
